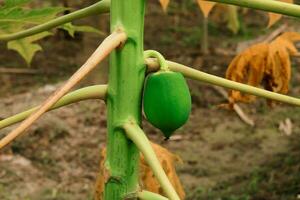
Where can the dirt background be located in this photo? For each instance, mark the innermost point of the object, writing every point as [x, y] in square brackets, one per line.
[223, 158]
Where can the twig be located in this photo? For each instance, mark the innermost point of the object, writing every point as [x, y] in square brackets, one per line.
[265, 38]
[6, 70]
[239, 111]
[105, 48]
[276, 33]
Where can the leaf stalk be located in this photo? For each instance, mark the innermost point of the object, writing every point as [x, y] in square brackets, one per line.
[91, 92]
[266, 5]
[137, 135]
[146, 195]
[222, 82]
[106, 47]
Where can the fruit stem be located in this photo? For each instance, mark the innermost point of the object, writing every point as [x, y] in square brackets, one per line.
[161, 60]
[138, 137]
[91, 92]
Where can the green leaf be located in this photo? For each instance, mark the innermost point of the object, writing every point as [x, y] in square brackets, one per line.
[71, 29]
[14, 17]
[14, 3]
[26, 46]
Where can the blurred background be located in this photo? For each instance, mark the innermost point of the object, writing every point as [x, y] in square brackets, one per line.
[224, 158]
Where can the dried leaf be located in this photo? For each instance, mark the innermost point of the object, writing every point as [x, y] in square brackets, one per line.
[265, 65]
[248, 68]
[164, 4]
[279, 63]
[206, 7]
[273, 17]
[147, 178]
[167, 161]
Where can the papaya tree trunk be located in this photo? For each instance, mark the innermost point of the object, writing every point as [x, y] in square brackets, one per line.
[126, 77]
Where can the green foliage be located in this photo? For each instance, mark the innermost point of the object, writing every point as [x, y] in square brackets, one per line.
[71, 29]
[26, 47]
[15, 17]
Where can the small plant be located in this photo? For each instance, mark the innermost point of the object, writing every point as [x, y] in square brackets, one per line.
[129, 65]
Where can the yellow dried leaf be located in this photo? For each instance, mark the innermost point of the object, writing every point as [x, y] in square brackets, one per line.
[279, 63]
[248, 68]
[264, 63]
[206, 7]
[147, 178]
[273, 17]
[164, 4]
[167, 160]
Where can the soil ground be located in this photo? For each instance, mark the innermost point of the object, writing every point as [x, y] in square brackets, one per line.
[223, 158]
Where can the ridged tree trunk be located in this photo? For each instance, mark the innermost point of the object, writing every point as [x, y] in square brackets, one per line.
[126, 77]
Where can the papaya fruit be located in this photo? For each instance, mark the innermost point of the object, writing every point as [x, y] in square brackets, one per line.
[167, 101]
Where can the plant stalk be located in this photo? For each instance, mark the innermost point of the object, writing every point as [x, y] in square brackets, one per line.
[137, 135]
[126, 78]
[222, 82]
[145, 195]
[205, 37]
[266, 5]
[91, 92]
[97, 8]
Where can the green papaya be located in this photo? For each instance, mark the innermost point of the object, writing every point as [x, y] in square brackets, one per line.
[167, 101]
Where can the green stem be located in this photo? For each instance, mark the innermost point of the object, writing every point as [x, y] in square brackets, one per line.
[126, 78]
[266, 5]
[137, 135]
[161, 60]
[205, 39]
[91, 92]
[215, 80]
[97, 8]
[145, 195]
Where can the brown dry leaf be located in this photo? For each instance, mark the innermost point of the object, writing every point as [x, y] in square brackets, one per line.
[206, 7]
[273, 17]
[164, 4]
[248, 67]
[147, 178]
[279, 63]
[264, 62]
